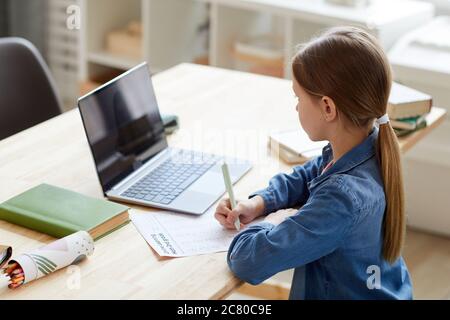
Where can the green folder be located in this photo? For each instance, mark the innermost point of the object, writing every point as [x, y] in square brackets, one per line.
[59, 212]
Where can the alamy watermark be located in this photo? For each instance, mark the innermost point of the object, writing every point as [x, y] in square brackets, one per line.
[374, 279]
[73, 21]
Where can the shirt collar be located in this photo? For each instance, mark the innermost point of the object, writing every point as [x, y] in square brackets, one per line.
[359, 154]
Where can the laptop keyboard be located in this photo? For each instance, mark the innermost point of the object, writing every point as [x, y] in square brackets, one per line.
[167, 181]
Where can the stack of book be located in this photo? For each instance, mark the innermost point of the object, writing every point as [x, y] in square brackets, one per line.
[408, 109]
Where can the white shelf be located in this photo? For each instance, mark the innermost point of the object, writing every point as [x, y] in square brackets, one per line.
[168, 37]
[170, 27]
[379, 12]
[110, 60]
[299, 20]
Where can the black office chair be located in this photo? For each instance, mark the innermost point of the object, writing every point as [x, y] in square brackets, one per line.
[28, 94]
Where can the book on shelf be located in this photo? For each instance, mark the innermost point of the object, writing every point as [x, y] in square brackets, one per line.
[405, 102]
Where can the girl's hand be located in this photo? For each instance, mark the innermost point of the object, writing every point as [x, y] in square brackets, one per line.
[279, 216]
[247, 211]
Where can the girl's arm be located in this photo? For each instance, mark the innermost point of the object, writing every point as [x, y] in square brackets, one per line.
[318, 228]
[289, 190]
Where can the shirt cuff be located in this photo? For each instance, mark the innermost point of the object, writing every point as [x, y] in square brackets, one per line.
[269, 200]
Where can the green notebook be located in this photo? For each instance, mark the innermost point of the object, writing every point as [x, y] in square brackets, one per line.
[409, 123]
[59, 212]
[404, 132]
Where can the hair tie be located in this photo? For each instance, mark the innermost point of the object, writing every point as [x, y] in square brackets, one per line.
[383, 119]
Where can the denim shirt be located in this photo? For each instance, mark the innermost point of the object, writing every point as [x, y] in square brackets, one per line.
[334, 241]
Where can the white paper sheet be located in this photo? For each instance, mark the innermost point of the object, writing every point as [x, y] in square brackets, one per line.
[179, 235]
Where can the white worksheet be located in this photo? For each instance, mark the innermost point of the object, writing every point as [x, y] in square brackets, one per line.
[173, 234]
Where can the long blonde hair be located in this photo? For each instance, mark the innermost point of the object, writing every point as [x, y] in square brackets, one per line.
[348, 65]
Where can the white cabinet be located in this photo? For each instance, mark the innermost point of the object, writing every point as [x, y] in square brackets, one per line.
[172, 28]
[168, 38]
[63, 51]
[296, 21]
[421, 59]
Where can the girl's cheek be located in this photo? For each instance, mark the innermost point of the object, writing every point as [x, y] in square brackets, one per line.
[302, 118]
[307, 122]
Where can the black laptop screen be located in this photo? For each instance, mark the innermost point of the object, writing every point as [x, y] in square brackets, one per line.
[123, 125]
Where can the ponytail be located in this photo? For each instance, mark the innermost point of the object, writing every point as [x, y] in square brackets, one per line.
[394, 223]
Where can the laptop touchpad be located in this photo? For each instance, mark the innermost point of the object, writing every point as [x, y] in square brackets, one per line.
[210, 183]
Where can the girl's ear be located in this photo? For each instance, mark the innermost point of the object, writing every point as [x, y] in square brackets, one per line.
[328, 107]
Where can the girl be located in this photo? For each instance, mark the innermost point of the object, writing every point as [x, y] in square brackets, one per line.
[345, 241]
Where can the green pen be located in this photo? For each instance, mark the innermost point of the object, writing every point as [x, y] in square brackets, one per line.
[229, 187]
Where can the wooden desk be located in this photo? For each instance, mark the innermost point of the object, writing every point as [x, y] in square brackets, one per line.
[220, 111]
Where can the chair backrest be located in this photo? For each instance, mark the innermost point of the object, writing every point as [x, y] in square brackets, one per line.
[28, 94]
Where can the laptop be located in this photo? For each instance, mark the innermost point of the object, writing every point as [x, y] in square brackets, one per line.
[134, 163]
